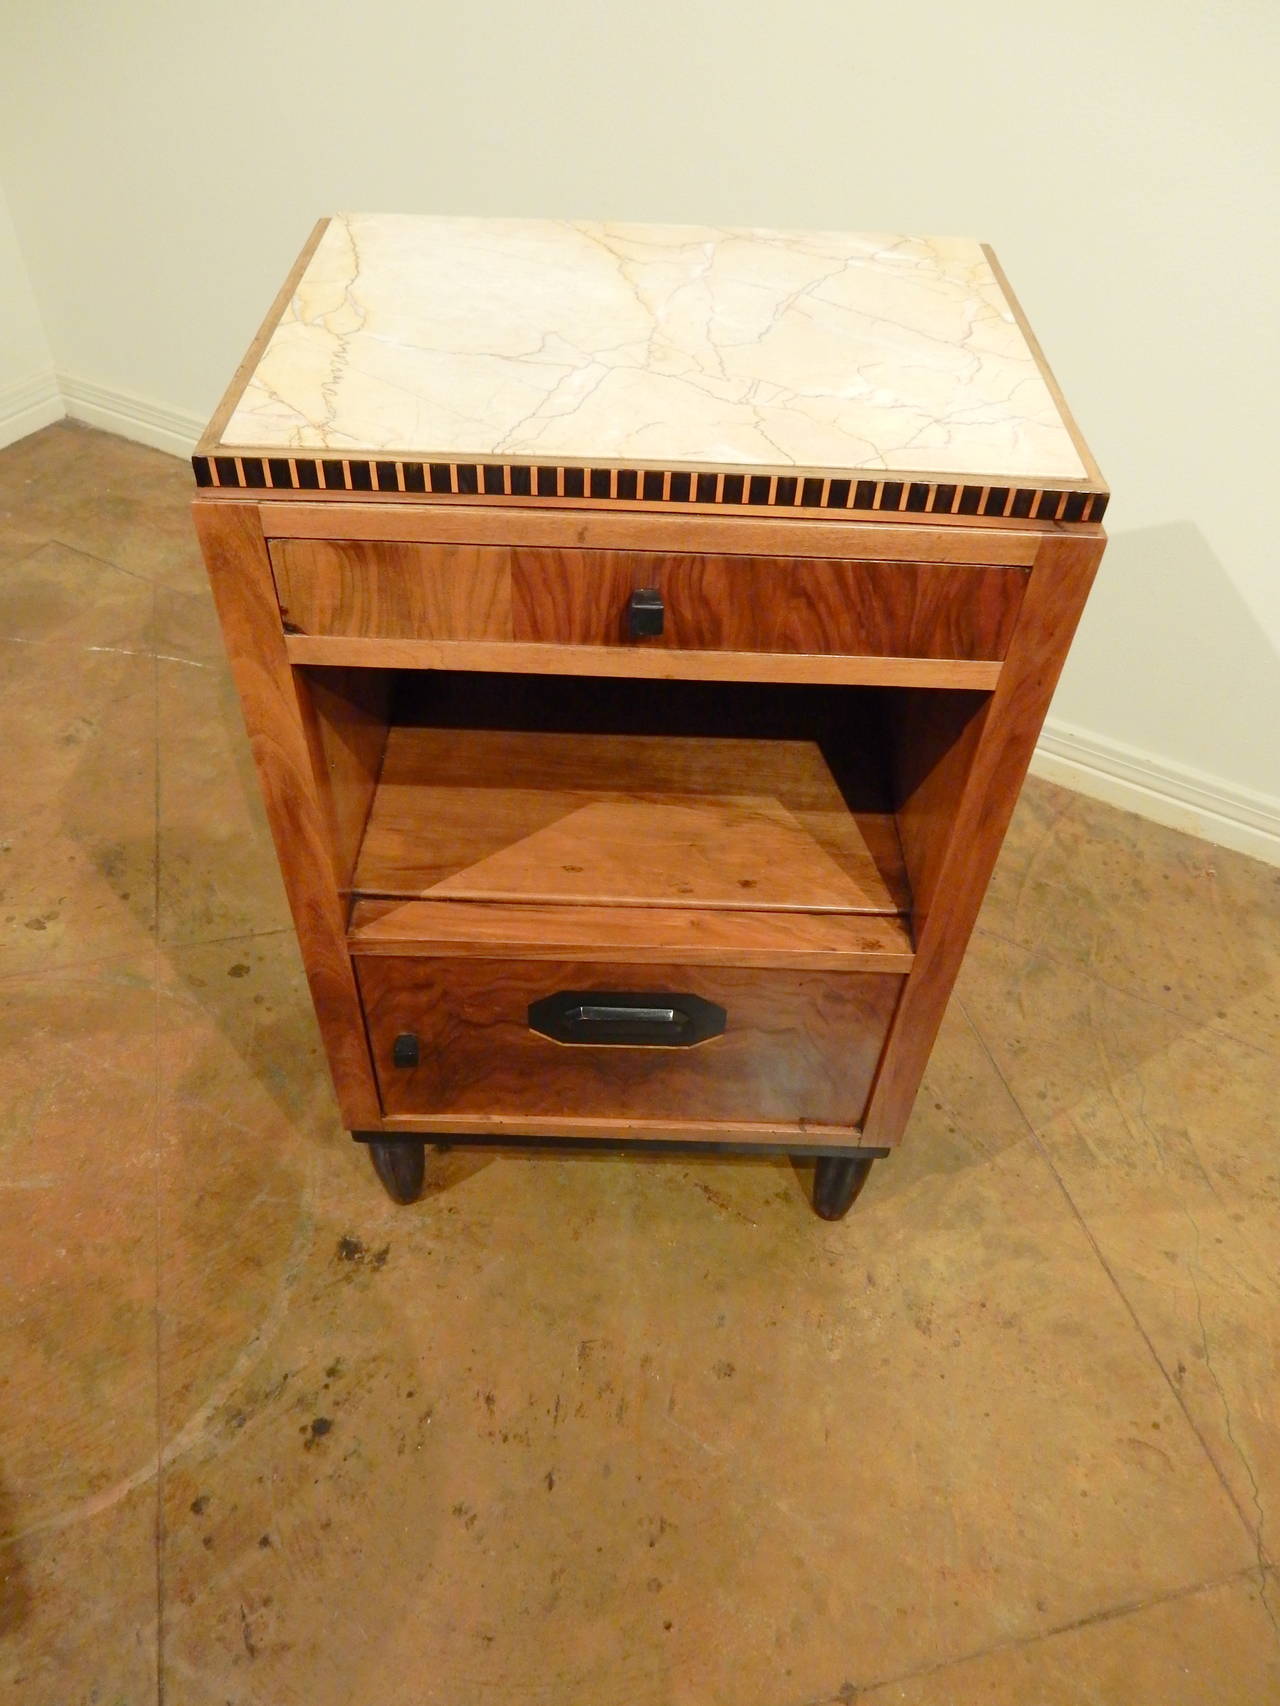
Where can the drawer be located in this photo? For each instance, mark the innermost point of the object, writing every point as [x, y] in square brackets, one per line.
[562, 1039]
[708, 603]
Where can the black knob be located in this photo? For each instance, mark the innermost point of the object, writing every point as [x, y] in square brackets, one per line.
[645, 612]
[404, 1050]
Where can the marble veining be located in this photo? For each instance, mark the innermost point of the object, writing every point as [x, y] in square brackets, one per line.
[654, 344]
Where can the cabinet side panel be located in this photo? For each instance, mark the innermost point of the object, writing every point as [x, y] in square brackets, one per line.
[235, 554]
[345, 715]
[957, 879]
[933, 737]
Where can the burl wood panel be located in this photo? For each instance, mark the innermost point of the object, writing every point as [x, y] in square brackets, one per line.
[797, 1045]
[624, 820]
[404, 591]
[642, 935]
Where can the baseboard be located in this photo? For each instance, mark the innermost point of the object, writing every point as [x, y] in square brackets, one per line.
[28, 404]
[131, 416]
[1156, 788]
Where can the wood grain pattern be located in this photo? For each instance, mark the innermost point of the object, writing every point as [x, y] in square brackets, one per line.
[932, 741]
[797, 941]
[797, 1045]
[715, 851]
[762, 604]
[1060, 582]
[450, 799]
[803, 1137]
[344, 714]
[236, 555]
[640, 530]
[405, 592]
[625, 663]
[408, 591]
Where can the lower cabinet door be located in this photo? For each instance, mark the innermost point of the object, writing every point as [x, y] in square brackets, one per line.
[547, 1039]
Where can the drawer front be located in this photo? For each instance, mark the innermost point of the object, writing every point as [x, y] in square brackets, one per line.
[778, 1046]
[768, 604]
[708, 603]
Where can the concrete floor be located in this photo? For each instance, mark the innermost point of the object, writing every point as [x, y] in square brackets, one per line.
[599, 1431]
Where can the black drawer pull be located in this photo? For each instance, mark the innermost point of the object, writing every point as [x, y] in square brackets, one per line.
[645, 613]
[404, 1050]
[606, 1017]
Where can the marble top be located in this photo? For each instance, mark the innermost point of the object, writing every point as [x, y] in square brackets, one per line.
[670, 345]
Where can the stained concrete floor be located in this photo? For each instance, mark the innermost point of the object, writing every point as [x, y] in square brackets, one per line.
[599, 1431]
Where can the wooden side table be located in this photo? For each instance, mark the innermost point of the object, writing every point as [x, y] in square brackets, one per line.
[642, 634]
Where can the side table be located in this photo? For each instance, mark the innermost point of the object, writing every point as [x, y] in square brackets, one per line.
[642, 634]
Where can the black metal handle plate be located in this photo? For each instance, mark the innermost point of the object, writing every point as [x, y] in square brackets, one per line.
[625, 1019]
[645, 613]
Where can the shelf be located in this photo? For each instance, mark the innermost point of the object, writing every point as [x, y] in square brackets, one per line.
[672, 821]
[641, 935]
[539, 660]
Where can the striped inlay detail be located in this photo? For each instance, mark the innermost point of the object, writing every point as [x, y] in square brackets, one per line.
[523, 483]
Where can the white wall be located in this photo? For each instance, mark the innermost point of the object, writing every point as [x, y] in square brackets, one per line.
[28, 395]
[165, 162]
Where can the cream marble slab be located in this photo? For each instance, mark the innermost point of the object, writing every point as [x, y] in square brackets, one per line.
[659, 344]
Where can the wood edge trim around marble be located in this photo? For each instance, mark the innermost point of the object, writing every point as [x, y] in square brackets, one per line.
[763, 940]
[1054, 602]
[506, 657]
[212, 435]
[654, 530]
[1087, 458]
[797, 1136]
[235, 552]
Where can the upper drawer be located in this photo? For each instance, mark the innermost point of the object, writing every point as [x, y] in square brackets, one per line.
[709, 603]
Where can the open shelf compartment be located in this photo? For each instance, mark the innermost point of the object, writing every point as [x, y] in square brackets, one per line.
[504, 841]
[698, 820]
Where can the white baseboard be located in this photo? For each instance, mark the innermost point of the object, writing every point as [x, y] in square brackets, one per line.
[1156, 788]
[28, 404]
[131, 416]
